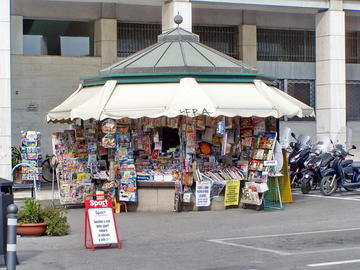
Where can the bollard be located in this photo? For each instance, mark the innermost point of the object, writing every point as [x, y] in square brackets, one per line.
[11, 237]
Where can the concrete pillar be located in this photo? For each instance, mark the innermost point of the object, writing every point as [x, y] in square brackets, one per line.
[248, 44]
[16, 34]
[106, 41]
[330, 74]
[171, 9]
[5, 91]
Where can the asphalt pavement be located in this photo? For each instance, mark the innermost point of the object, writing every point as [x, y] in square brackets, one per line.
[313, 232]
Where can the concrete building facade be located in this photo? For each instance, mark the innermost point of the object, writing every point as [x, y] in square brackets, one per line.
[305, 44]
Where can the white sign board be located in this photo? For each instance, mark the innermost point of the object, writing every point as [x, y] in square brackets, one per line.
[203, 193]
[270, 163]
[102, 226]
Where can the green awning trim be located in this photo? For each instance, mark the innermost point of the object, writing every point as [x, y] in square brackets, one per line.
[175, 77]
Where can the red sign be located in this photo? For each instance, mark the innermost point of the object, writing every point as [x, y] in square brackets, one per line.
[100, 222]
[104, 203]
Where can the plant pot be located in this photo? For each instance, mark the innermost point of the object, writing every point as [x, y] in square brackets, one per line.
[32, 229]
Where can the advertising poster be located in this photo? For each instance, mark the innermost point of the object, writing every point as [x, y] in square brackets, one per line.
[102, 226]
[127, 190]
[203, 193]
[232, 192]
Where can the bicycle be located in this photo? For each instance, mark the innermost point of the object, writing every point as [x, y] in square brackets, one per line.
[48, 167]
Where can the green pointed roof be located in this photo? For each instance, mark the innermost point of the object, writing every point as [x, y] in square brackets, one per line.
[178, 50]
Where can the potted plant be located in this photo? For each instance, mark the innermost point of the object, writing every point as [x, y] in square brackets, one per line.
[15, 160]
[33, 220]
[30, 220]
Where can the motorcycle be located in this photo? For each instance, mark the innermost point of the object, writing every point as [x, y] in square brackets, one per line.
[299, 153]
[342, 173]
[316, 163]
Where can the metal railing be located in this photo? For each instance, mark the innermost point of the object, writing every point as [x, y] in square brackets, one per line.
[352, 42]
[352, 100]
[133, 37]
[285, 45]
[303, 90]
[221, 38]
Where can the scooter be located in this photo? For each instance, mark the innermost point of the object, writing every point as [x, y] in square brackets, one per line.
[300, 152]
[342, 174]
[317, 162]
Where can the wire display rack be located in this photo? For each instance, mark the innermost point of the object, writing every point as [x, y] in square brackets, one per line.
[272, 198]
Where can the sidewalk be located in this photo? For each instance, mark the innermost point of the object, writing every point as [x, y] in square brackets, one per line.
[178, 241]
[44, 194]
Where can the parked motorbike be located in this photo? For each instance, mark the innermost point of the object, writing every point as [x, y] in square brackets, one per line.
[341, 174]
[299, 153]
[315, 164]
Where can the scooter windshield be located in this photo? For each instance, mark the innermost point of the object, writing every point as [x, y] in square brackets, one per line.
[303, 140]
[319, 148]
[341, 149]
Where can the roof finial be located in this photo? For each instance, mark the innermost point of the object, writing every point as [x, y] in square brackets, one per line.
[178, 19]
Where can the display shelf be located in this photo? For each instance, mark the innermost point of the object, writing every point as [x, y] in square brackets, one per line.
[256, 187]
[154, 184]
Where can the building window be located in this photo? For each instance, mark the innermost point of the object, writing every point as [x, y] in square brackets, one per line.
[133, 37]
[353, 47]
[303, 90]
[285, 45]
[221, 38]
[66, 38]
[352, 100]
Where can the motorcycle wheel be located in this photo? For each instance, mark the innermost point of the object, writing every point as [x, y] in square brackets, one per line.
[305, 186]
[346, 188]
[325, 185]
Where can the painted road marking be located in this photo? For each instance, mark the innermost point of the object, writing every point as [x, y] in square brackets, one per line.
[329, 197]
[226, 241]
[278, 252]
[288, 234]
[333, 263]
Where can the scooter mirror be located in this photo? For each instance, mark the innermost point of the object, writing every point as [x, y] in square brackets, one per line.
[331, 141]
[293, 135]
[353, 147]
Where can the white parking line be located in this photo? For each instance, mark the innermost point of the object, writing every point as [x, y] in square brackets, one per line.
[251, 247]
[333, 263]
[325, 250]
[286, 234]
[226, 241]
[329, 197]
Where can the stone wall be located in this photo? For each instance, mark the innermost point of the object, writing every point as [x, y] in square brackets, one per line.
[39, 83]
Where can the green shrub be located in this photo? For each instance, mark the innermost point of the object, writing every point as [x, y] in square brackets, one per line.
[54, 217]
[15, 156]
[30, 212]
[56, 221]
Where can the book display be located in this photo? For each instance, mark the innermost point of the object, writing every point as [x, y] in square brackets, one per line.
[31, 155]
[72, 171]
[125, 157]
[258, 171]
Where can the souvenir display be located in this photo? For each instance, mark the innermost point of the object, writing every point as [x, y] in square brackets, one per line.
[108, 127]
[31, 155]
[200, 155]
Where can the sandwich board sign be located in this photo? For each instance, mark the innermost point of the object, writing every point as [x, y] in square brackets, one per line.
[100, 222]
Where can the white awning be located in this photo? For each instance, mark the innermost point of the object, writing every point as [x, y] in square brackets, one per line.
[188, 97]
